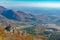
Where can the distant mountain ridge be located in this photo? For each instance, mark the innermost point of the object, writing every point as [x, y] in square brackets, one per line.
[8, 14]
[16, 15]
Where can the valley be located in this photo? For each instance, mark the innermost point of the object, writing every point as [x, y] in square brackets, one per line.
[19, 25]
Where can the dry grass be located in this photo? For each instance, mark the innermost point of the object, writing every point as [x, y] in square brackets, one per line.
[4, 35]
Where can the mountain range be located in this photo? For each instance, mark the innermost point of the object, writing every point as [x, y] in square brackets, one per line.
[17, 15]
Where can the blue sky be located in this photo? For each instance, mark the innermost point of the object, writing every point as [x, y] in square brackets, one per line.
[31, 3]
[31, 0]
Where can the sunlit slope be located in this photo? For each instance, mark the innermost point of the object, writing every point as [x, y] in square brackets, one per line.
[4, 35]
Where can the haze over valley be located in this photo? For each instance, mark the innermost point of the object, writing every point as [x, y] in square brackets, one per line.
[35, 22]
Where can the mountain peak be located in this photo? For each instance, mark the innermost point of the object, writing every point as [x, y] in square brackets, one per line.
[2, 9]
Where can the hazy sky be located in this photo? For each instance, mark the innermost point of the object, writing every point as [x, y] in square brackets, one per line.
[31, 3]
[32, 0]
